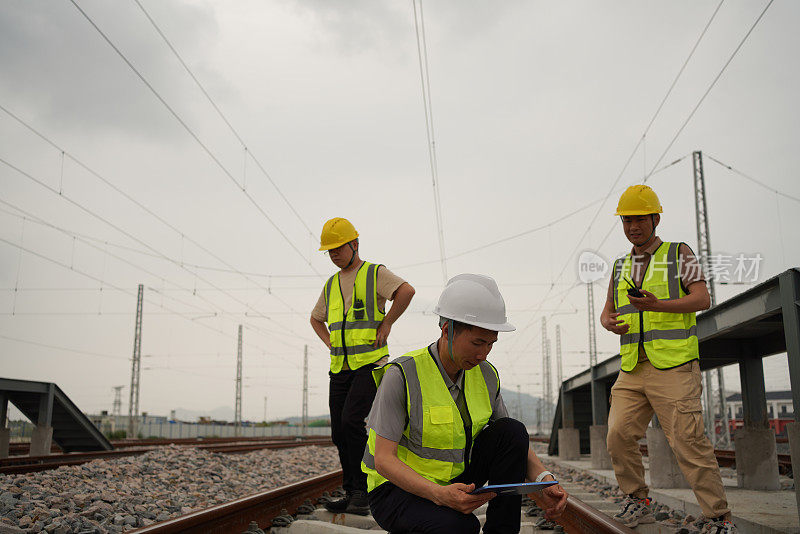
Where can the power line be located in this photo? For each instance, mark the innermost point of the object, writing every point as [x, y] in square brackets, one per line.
[66, 349]
[194, 136]
[424, 74]
[222, 115]
[635, 149]
[129, 292]
[141, 206]
[755, 181]
[711, 86]
[136, 239]
[694, 110]
[38, 220]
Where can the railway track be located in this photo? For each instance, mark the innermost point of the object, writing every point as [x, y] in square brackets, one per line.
[727, 458]
[18, 449]
[29, 464]
[262, 508]
[235, 516]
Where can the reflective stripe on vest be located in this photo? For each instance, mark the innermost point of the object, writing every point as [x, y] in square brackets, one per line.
[669, 339]
[353, 331]
[433, 442]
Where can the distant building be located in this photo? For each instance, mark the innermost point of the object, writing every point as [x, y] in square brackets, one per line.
[780, 411]
[779, 405]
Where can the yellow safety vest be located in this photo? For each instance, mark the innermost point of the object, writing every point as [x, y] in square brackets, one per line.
[670, 339]
[434, 441]
[353, 332]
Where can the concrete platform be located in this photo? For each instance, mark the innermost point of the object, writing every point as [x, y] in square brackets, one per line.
[754, 512]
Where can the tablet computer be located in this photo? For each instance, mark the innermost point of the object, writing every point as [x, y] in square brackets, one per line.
[523, 488]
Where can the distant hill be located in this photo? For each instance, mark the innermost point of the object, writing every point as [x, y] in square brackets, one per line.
[525, 407]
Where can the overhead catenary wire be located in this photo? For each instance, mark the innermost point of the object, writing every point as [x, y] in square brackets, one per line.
[127, 291]
[710, 87]
[248, 151]
[641, 142]
[194, 136]
[424, 73]
[683, 125]
[147, 210]
[127, 234]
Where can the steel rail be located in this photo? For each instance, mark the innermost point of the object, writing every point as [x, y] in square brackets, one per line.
[20, 448]
[579, 518]
[235, 516]
[727, 458]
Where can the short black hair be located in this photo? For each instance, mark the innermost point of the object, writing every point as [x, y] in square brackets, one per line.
[458, 327]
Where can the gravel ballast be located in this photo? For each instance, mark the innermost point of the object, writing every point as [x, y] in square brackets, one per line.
[111, 496]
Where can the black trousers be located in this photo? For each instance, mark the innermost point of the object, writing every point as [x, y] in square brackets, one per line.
[350, 398]
[499, 456]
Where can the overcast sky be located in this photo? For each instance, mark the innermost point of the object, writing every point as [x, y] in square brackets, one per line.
[537, 107]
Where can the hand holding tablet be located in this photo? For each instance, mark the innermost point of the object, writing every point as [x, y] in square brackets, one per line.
[523, 488]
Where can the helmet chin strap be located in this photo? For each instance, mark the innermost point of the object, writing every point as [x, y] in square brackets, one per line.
[450, 339]
[352, 258]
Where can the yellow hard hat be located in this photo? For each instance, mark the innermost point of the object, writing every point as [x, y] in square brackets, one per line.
[336, 232]
[638, 200]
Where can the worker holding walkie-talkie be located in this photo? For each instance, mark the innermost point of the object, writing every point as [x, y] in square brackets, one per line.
[352, 303]
[653, 296]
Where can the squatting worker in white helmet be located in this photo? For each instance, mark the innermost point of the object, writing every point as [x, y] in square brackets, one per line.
[352, 303]
[439, 427]
[653, 295]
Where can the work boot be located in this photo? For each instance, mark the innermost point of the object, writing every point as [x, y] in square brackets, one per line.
[355, 502]
[337, 506]
[719, 526]
[359, 503]
[634, 512]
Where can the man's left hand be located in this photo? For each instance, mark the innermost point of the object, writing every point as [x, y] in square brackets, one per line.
[382, 334]
[648, 302]
[555, 498]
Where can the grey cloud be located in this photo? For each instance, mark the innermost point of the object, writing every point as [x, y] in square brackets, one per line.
[79, 82]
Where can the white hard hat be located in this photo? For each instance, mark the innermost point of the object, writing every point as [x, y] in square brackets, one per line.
[474, 299]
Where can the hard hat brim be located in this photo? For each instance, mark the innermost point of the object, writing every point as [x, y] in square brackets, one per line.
[334, 245]
[504, 327]
[623, 213]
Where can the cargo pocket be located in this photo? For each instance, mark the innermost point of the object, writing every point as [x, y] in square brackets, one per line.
[689, 419]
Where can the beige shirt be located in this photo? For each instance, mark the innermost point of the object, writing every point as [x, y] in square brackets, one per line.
[387, 283]
[688, 265]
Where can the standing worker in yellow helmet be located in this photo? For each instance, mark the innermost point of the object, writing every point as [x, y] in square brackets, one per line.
[352, 303]
[652, 299]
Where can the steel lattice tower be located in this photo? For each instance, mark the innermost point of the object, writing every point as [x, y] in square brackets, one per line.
[237, 415]
[559, 368]
[305, 388]
[598, 395]
[117, 409]
[704, 251]
[547, 389]
[133, 402]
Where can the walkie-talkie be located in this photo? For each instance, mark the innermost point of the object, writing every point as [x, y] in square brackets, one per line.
[633, 291]
[358, 310]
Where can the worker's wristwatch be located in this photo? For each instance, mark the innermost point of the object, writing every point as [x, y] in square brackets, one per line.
[544, 474]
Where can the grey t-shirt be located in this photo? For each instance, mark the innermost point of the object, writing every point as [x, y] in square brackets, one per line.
[389, 415]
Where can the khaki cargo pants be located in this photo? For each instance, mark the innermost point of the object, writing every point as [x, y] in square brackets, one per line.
[674, 396]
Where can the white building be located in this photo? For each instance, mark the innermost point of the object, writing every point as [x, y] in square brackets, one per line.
[779, 405]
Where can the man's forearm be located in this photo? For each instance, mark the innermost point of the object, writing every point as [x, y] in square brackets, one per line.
[693, 302]
[402, 298]
[322, 331]
[401, 475]
[535, 466]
